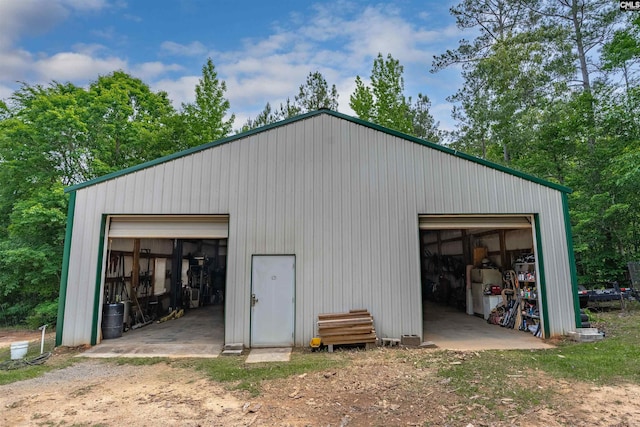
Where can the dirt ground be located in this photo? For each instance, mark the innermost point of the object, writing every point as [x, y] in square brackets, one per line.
[9, 336]
[377, 388]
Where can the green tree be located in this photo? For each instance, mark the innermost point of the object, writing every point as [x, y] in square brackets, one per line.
[423, 124]
[53, 136]
[384, 102]
[46, 130]
[31, 257]
[315, 94]
[128, 122]
[265, 117]
[621, 53]
[205, 119]
[511, 69]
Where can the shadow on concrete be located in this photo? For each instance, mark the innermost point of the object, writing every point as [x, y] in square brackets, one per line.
[199, 333]
[451, 329]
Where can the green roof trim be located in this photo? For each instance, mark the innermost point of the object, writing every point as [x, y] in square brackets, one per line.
[305, 116]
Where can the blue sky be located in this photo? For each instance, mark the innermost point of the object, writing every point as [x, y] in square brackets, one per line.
[262, 49]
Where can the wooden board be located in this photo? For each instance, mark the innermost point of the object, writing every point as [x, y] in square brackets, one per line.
[345, 331]
[354, 327]
[350, 339]
[330, 316]
[342, 322]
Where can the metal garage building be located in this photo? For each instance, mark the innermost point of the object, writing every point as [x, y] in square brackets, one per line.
[320, 213]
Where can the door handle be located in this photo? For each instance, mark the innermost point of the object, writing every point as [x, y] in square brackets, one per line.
[254, 300]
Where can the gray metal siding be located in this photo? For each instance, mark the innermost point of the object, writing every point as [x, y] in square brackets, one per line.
[342, 197]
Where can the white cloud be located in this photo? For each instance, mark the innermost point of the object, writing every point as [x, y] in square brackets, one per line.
[339, 45]
[181, 90]
[15, 65]
[75, 66]
[442, 113]
[150, 70]
[5, 92]
[132, 18]
[192, 49]
[18, 18]
[86, 5]
[89, 49]
[338, 39]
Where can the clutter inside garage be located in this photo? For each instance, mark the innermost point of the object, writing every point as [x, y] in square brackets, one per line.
[489, 273]
[149, 280]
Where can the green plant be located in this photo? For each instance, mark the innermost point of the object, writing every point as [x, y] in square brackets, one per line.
[45, 313]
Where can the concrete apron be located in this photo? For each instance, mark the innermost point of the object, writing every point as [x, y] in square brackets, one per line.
[198, 334]
[451, 329]
[259, 355]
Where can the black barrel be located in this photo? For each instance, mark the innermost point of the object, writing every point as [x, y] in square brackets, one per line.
[112, 320]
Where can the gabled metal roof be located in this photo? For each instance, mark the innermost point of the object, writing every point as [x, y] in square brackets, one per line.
[305, 116]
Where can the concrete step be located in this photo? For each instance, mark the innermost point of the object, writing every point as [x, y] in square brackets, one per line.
[234, 346]
[586, 335]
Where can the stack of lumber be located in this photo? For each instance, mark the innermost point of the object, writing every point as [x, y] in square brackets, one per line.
[354, 327]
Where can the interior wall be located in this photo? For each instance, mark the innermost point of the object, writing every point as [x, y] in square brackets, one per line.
[445, 258]
[120, 263]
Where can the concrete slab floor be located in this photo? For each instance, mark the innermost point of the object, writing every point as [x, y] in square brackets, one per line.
[451, 329]
[199, 333]
[257, 355]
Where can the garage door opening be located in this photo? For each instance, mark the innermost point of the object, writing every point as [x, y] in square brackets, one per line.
[158, 269]
[482, 267]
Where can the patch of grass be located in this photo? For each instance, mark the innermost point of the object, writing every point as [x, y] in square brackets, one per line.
[25, 372]
[495, 377]
[248, 377]
[139, 361]
[612, 360]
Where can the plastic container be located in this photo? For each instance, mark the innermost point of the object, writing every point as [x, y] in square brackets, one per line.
[19, 349]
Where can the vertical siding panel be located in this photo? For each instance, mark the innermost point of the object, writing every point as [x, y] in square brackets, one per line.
[282, 143]
[203, 182]
[310, 232]
[213, 188]
[305, 309]
[147, 190]
[336, 214]
[353, 201]
[262, 196]
[166, 186]
[369, 214]
[270, 212]
[195, 181]
[156, 189]
[344, 191]
[290, 171]
[110, 193]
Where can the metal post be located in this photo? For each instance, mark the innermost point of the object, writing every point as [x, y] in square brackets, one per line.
[176, 273]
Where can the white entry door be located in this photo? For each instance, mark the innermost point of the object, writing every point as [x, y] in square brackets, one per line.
[272, 300]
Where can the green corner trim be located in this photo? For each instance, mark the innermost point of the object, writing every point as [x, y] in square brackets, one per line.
[64, 274]
[544, 312]
[572, 260]
[98, 283]
[305, 116]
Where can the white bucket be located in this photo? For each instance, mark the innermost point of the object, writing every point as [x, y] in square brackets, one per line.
[19, 349]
